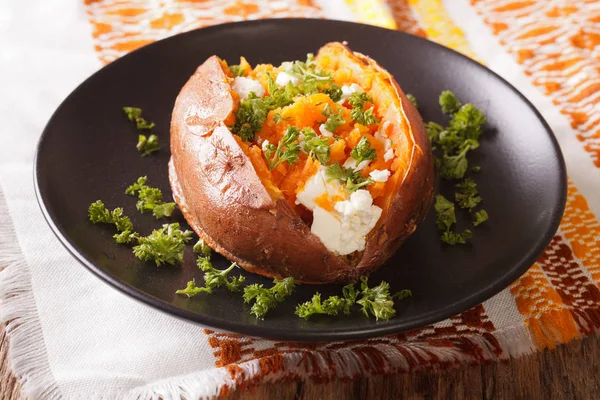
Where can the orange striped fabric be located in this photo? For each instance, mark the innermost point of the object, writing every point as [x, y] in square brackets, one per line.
[557, 300]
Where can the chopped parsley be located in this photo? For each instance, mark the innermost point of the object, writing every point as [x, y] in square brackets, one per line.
[378, 301]
[237, 70]
[445, 218]
[213, 278]
[311, 79]
[357, 101]
[333, 305]
[353, 179]
[480, 217]
[456, 140]
[99, 214]
[334, 120]
[334, 92]
[150, 199]
[202, 248]
[363, 151]
[468, 196]
[413, 100]
[164, 245]
[146, 144]
[287, 149]
[449, 102]
[316, 146]
[265, 299]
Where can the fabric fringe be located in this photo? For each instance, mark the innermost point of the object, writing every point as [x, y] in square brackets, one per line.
[386, 356]
[18, 310]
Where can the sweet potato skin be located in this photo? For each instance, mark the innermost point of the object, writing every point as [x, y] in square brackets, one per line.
[224, 201]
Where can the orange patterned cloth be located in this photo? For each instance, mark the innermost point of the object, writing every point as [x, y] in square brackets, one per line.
[549, 50]
[557, 45]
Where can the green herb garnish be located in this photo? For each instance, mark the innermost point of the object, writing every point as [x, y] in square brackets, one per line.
[150, 199]
[378, 301]
[333, 305]
[287, 149]
[413, 100]
[363, 151]
[99, 214]
[445, 218]
[134, 114]
[480, 217]
[164, 245]
[334, 92]
[267, 299]
[213, 278]
[449, 103]
[237, 70]
[357, 101]
[311, 79]
[468, 196]
[316, 146]
[353, 179]
[147, 144]
[202, 248]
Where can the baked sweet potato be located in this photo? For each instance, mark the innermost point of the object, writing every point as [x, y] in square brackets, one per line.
[267, 168]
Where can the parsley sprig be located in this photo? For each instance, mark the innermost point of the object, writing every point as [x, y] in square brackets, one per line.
[164, 245]
[265, 299]
[359, 114]
[353, 179]
[99, 214]
[445, 218]
[150, 199]
[455, 141]
[146, 144]
[375, 301]
[316, 146]
[213, 278]
[333, 305]
[363, 151]
[334, 118]
[287, 149]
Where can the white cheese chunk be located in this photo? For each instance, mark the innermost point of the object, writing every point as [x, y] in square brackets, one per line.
[283, 78]
[243, 87]
[324, 131]
[388, 155]
[379, 175]
[344, 231]
[351, 163]
[316, 186]
[347, 91]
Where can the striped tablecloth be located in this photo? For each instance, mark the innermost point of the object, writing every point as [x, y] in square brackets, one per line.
[100, 344]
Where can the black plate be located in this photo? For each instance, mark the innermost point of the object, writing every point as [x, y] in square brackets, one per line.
[87, 152]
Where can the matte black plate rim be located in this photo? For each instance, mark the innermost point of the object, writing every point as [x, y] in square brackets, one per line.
[472, 300]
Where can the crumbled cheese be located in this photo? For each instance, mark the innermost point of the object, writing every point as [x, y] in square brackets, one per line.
[243, 87]
[351, 163]
[379, 175]
[264, 145]
[388, 155]
[324, 131]
[347, 91]
[344, 231]
[283, 78]
[315, 186]
[382, 136]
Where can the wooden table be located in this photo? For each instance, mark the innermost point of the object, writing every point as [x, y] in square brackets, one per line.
[571, 371]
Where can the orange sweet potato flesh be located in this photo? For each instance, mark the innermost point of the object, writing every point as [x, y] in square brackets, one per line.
[248, 220]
